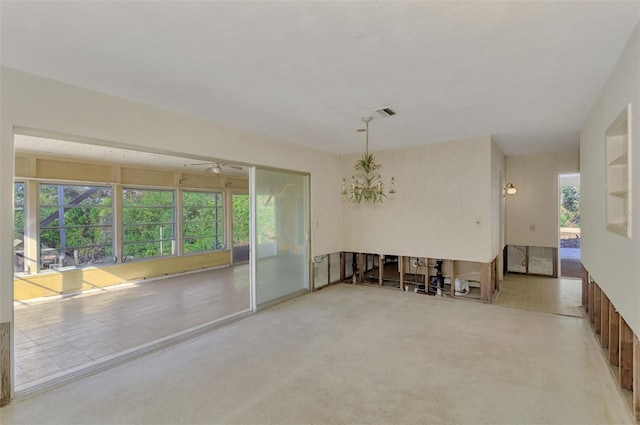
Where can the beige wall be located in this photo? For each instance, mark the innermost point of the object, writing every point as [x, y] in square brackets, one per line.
[536, 202]
[498, 212]
[613, 260]
[39, 103]
[53, 282]
[443, 208]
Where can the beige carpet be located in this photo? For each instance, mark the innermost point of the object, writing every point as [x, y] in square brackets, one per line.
[355, 355]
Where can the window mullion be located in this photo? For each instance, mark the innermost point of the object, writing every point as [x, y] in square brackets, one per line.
[179, 222]
[116, 203]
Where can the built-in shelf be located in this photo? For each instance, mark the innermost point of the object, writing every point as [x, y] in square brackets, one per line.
[619, 228]
[618, 174]
[621, 161]
[620, 193]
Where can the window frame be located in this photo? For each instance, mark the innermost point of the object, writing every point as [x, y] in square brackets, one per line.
[109, 228]
[219, 221]
[173, 224]
[16, 231]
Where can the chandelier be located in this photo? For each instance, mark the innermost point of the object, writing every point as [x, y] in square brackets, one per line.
[366, 184]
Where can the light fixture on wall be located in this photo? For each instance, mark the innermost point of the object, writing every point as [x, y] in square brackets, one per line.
[367, 185]
[510, 189]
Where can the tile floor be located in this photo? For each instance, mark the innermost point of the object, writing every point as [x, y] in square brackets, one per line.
[547, 295]
[62, 333]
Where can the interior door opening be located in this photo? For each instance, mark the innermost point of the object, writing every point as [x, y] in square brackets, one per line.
[569, 222]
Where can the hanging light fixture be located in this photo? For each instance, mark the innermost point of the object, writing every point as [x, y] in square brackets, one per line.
[367, 184]
[510, 189]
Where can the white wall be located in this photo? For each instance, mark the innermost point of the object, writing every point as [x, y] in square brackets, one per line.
[613, 260]
[536, 201]
[39, 103]
[498, 212]
[443, 208]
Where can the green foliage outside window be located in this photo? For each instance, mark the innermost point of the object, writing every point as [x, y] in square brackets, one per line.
[148, 223]
[240, 220]
[18, 213]
[203, 221]
[569, 206]
[76, 225]
[18, 226]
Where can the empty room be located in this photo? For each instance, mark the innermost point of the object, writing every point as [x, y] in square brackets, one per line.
[319, 212]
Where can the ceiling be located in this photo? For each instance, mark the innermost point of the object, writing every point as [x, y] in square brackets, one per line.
[29, 144]
[526, 73]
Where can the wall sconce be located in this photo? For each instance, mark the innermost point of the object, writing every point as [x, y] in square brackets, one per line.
[510, 189]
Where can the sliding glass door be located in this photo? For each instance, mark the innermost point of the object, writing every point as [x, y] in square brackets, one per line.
[281, 235]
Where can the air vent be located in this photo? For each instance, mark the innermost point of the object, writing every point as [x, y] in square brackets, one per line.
[386, 112]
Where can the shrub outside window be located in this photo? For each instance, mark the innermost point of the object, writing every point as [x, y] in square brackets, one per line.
[76, 225]
[203, 221]
[18, 227]
[148, 223]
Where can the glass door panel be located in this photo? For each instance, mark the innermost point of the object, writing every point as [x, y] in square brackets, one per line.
[281, 233]
[240, 227]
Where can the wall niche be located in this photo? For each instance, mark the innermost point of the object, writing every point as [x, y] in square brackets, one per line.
[618, 173]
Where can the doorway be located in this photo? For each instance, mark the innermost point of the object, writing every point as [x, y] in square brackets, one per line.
[569, 225]
[240, 227]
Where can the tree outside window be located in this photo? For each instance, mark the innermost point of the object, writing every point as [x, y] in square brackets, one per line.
[203, 221]
[148, 223]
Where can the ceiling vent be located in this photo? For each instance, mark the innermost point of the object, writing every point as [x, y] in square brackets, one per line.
[386, 112]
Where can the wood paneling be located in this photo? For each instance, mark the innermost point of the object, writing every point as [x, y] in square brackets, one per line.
[485, 283]
[5, 365]
[585, 283]
[199, 181]
[401, 270]
[604, 321]
[237, 183]
[636, 378]
[136, 176]
[590, 309]
[626, 356]
[74, 171]
[621, 345]
[597, 301]
[614, 336]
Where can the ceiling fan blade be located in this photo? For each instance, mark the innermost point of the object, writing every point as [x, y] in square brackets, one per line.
[209, 169]
[235, 167]
[199, 163]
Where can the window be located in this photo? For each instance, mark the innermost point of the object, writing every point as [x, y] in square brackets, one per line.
[76, 225]
[148, 223]
[18, 227]
[203, 221]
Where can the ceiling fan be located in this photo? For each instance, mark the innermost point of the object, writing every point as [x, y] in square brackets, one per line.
[216, 167]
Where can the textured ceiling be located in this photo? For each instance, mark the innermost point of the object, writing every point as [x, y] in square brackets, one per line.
[526, 73]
